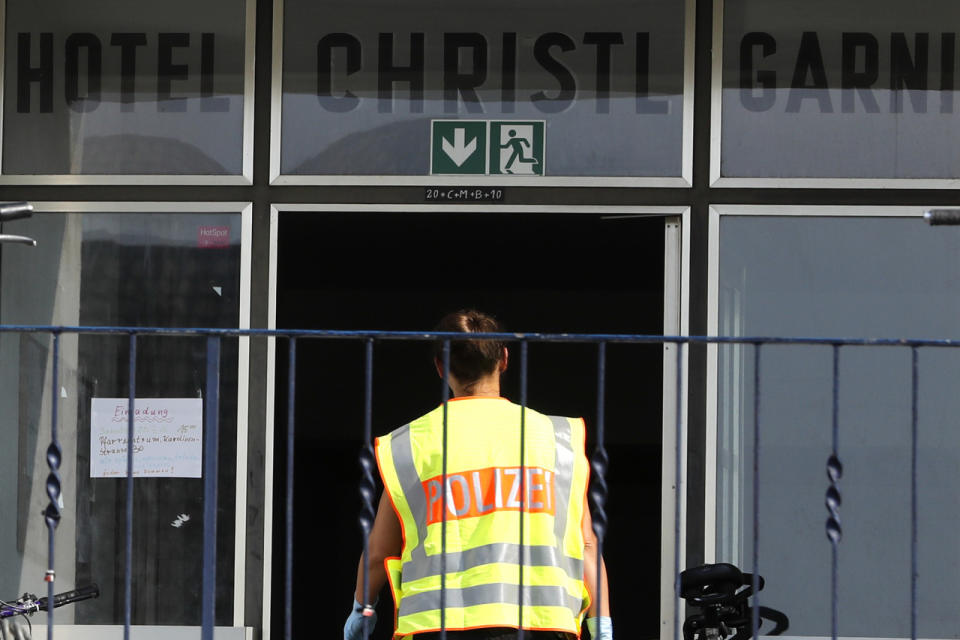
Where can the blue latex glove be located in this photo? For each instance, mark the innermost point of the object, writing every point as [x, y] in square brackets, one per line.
[354, 627]
[601, 628]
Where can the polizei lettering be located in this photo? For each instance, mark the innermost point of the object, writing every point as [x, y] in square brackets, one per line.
[481, 491]
[466, 69]
[908, 56]
[88, 58]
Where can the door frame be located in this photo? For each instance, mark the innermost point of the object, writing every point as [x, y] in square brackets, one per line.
[676, 322]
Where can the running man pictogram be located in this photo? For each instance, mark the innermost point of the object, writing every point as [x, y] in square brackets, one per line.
[517, 147]
[517, 144]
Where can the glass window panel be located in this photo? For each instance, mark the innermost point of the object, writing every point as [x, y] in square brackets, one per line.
[123, 87]
[115, 269]
[823, 89]
[833, 276]
[360, 89]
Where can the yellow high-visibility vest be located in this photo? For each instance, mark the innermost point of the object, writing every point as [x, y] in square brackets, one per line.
[488, 491]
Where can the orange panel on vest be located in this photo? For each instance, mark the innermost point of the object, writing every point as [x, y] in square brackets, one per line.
[483, 491]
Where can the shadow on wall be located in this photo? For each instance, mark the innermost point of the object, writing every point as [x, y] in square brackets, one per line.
[127, 154]
[365, 152]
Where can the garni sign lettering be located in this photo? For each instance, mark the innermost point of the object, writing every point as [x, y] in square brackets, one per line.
[364, 83]
[826, 90]
[157, 89]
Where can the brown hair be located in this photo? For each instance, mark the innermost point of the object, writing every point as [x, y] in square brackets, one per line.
[470, 359]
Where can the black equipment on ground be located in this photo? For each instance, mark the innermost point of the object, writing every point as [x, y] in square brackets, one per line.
[721, 592]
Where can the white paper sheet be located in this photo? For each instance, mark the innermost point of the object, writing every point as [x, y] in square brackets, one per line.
[168, 437]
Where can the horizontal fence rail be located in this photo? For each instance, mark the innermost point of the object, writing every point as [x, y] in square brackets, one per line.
[366, 483]
[615, 338]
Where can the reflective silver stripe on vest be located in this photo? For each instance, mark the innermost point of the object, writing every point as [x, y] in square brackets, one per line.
[421, 565]
[564, 469]
[535, 596]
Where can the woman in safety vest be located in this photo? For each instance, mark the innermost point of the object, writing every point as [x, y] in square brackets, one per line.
[457, 552]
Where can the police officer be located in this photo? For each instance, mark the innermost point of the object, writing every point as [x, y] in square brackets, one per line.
[487, 492]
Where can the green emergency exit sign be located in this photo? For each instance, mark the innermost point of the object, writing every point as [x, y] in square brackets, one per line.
[487, 147]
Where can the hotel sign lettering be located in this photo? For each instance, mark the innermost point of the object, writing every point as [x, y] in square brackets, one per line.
[156, 89]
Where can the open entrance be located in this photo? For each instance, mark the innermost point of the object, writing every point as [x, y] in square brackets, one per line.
[537, 272]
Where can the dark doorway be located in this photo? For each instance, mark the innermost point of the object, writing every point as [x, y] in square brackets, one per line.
[583, 273]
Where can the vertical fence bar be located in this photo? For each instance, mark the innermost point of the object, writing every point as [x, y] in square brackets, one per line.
[834, 500]
[914, 438]
[367, 486]
[445, 395]
[598, 483]
[755, 581]
[288, 559]
[524, 370]
[678, 495]
[54, 458]
[128, 552]
[211, 448]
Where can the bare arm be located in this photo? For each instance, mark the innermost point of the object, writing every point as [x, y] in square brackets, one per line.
[386, 539]
[590, 567]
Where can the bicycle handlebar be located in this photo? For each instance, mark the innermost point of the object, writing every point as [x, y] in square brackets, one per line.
[30, 603]
[15, 211]
[69, 597]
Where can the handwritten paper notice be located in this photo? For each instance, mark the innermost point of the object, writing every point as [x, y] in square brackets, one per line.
[167, 442]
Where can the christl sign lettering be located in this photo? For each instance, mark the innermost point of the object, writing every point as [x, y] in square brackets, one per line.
[466, 69]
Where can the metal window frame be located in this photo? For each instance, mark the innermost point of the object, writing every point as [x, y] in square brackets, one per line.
[245, 209]
[713, 324]
[244, 178]
[685, 179]
[677, 220]
[723, 182]
[676, 321]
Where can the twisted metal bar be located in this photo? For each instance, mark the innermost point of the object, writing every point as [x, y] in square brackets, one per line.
[833, 498]
[678, 495]
[524, 362]
[288, 559]
[367, 486]
[599, 464]
[445, 395]
[51, 514]
[914, 537]
[755, 581]
[128, 568]
[212, 437]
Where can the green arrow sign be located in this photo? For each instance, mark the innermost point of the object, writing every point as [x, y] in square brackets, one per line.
[458, 147]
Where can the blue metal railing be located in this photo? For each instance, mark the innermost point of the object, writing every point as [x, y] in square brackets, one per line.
[366, 487]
